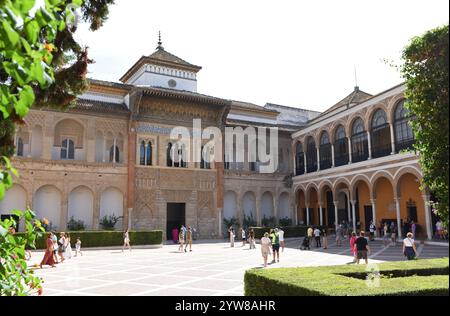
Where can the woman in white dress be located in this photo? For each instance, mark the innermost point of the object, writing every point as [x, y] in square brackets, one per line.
[266, 244]
[68, 252]
[126, 240]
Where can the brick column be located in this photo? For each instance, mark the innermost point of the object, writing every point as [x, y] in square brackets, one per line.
[131, 174]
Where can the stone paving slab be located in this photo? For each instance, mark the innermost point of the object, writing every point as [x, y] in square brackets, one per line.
[211, 269]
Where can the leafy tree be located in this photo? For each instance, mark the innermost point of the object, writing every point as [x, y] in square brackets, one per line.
[425, 70]
[286, 221]
[75, 225]
[109, 222]
[41, 65]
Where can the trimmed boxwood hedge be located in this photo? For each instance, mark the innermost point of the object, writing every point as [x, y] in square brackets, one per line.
[109, 238]
[417, 277]
[289, 231]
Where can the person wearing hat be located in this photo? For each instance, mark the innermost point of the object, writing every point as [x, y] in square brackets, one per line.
[409, 247]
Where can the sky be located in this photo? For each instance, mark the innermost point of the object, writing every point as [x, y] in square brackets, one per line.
[290, 52]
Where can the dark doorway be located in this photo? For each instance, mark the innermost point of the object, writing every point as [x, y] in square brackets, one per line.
[13, 217]
[367, 216]
[176, 216]
[330, 210]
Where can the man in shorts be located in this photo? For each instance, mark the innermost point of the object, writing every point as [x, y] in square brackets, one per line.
[275, 245]
[362, 248]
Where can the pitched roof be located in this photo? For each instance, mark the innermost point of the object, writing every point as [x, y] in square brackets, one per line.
[100, 106]
[162, 55]
[357, 96]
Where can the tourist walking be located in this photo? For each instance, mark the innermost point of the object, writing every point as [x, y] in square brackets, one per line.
[439, 230]
[266, 244]
[126, 240]
[310, 233]
[275, 245]
[61, 246]
[181, 240]
[339, 237]
[325, 238]
[189, 235]
[362, 248]
[231, 233]
[394, 232]
[251, 239]
[386, 234]
[352, 246]
[55, 246]
[281, 237]
[48, 256]
[68, 252]
[317, 237]
[78, 247]
[244, 238]
[175, 233]
[409, 247]
[372, 230]
[413, 228]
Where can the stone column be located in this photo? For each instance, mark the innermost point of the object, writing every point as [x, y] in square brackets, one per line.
[349, 150]
[374, 215]
[96, 215]
[353, 202]
[131, 174]
[397, 209]
[220, 211]
[349, 209]
[114, 151]
[321, 214]
[392, 138]
[369, 144]
[304, 160]
[240, 210]
[428, 224]
[275, 209]
[64, 212]
[258, 210]
[30, 141]
[104, 149]
[307, 214]
[332, 156]
[295, 208]
[318, 159]
[336, 220]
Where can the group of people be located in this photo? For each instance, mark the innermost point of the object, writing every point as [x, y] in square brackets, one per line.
[184, 237]
[246, 236]
[59, 247]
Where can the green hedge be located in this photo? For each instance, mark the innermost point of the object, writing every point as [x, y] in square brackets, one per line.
[108, 238]
[289, 231]
[416, 277]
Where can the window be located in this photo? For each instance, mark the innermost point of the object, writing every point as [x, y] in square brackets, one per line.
[311, 155]
[169, 155]
[20, 147]
[299, 160]
[67, 149]
[360, 148]
[340, 147]
[142, 153]
[205, 164]
[404, 137]
[114, 154]
[325, 151]
[381, 135]
[148, 158]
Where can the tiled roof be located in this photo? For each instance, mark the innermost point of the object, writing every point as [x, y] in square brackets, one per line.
[100, 106]
[248, 105]
[357, 96]
[162, 55]
[183, 94]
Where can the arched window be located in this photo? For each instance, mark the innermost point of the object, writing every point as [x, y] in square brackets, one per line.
[205, 164]
[142, 153]
[114, 154]
[381, 135]
[148, 157]
[67, 149]
[311, 155]
[325, 151]
[299, 160]
[169, 155]
[340, 147]
[404, 136]
[360, 148]
[20, 147]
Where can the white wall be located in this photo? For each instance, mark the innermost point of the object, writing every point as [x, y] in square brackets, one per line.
[15, 199]
[47, 204]
[249, 204]
[160, 80]
[284, 209]
[111, 203]
[230, 205]
[267, 205]
[81, 206]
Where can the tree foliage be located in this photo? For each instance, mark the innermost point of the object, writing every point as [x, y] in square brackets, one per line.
[425, 70]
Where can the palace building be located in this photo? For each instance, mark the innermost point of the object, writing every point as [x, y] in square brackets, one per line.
[110, 155]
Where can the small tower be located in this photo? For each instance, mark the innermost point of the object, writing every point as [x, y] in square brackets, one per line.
[162, 69]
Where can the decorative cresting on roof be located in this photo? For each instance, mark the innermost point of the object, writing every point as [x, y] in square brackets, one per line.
[357, 96]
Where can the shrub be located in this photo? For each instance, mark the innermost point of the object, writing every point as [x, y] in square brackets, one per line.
[75, 225]
[268, 222]
[108, 222]
[110, 238]
[249, 221]
[286, 221]
[421, 277]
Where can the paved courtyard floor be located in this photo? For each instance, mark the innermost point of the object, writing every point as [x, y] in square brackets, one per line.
[211, 269]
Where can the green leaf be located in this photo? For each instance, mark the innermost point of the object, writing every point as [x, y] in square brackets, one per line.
[24, 6]
[25, 101]
[2, 190]
[32, 30]
[12, 36]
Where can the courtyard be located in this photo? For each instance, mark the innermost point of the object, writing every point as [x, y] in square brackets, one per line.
[211, 269]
